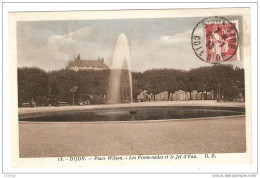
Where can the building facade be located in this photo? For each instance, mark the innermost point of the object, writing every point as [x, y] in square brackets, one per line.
[79, 64]
[179, 95]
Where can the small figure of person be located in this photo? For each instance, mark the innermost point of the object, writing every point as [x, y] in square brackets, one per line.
[49, 102]
[33, 104]
[58, 103]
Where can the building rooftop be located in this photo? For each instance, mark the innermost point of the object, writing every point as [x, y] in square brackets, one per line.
[77, 62]
[88, 63]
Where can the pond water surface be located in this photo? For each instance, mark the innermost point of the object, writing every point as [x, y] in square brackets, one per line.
[142, 113]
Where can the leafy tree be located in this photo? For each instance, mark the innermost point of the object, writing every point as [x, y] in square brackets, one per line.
[93, 85]
[32, 83]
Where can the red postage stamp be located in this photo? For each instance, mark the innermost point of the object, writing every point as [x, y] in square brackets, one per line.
[221, 42]
[216, 39]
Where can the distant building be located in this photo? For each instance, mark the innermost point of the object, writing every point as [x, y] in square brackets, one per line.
[80, 64]
[177, 96]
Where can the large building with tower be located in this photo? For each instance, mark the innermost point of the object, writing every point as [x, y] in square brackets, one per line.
[80, 64]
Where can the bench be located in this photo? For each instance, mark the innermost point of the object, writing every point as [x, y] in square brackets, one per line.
[26, 105]
[63, 103]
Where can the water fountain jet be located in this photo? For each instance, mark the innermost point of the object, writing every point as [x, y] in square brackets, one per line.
[120, 63]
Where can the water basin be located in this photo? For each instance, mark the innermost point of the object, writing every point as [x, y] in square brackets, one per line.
[141, 113]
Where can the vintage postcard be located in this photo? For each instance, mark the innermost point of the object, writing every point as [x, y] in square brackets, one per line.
[130, 88]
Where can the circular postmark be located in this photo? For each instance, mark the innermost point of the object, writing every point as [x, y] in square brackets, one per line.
[215, 39]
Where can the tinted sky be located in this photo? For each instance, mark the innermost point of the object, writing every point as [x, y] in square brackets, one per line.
[153, 43]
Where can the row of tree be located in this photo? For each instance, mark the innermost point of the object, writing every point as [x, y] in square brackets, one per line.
[93, 85]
